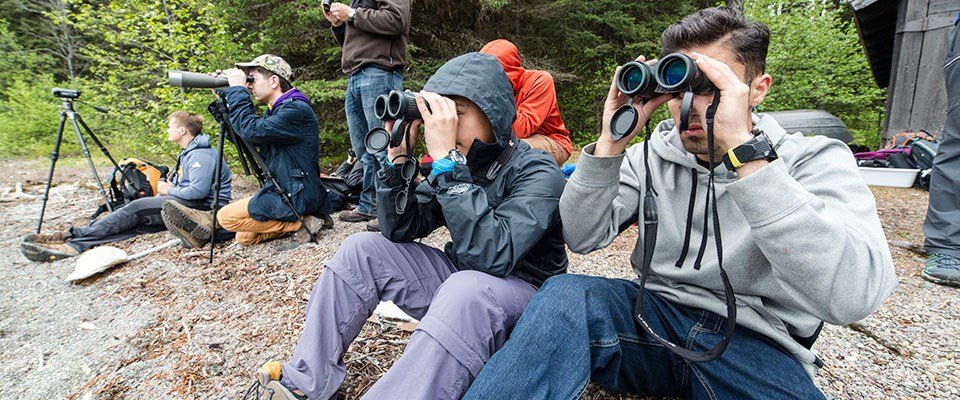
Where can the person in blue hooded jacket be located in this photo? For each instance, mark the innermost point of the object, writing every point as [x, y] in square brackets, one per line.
[499, 200]
[189, 184]
[288, 139]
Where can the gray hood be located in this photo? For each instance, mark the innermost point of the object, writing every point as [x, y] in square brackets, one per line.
[479, 78]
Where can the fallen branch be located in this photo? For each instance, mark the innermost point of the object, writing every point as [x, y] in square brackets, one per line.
[909, 246]
[870, 333]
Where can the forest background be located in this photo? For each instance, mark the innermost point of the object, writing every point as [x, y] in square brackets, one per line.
[117, 52]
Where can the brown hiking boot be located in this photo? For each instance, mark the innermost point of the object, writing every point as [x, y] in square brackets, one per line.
[191, 226]
[47, 252]
[52, 238]
[295, 239]
[356, 216]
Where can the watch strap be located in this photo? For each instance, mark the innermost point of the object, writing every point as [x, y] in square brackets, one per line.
[754, 149]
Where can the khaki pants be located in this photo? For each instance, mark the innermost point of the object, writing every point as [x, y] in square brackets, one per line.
[544, 143]
[235, 218]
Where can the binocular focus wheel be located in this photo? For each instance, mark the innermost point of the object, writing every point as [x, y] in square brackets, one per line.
[376, 140]
[623, 122]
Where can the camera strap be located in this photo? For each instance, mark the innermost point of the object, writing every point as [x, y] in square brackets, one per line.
[650, 222]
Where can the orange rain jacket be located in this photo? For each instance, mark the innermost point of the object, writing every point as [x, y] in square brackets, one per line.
[535, 95]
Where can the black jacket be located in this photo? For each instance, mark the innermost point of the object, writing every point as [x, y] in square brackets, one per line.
[508, 225]
[288, 139]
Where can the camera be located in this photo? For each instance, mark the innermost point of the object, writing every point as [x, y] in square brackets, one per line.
[397, 105]
[675, 73]
[186, 79]
[326, 5]
[66, 93]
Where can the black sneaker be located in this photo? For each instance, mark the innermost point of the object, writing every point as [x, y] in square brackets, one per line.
[356, 216]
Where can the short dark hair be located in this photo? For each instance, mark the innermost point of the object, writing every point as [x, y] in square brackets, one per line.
[284, 84]
[189, 120]
[748, 39]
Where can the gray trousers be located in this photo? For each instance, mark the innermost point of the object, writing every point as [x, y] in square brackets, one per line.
[942, 225]
[139, 216]
[465, 316]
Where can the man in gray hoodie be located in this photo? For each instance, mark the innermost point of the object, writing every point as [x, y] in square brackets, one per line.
[802, 245]
[190, 185]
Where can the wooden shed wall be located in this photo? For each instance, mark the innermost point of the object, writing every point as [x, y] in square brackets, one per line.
[916, 97]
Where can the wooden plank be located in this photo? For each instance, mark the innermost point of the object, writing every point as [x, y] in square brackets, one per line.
[930, 97]
[903, 76]
[943, 6]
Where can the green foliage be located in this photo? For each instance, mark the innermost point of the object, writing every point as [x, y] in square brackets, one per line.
[128, 45]
[138, 41]
[817, 62]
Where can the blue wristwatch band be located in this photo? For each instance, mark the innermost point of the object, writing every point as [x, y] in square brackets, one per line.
[442, 165]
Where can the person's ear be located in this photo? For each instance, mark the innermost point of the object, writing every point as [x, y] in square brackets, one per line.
[275, 81]
[759, 88]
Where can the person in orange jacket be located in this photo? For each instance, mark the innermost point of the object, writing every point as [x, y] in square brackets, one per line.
[538, 115]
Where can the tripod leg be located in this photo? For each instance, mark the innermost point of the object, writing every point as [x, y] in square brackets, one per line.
[103, 149]
[86, 153]
[216, 187]
[53, 163]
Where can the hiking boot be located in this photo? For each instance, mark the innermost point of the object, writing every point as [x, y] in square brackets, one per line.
[191, 226]
[942, 269]
[327, 221]
[54, 238]
[295, 239]
[313, 225]
[373, 225]
[47, 252]
[356, 216]
[267, 385]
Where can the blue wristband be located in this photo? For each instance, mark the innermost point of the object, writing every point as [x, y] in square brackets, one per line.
[442, 165]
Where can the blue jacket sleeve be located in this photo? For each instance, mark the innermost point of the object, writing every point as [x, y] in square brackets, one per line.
[200, 169]
[495, 239]
[280, 128]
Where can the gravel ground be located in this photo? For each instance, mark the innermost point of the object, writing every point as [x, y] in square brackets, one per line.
[174, 326]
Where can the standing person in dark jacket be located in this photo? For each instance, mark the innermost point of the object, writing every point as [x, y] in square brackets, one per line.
[942, 224]
[373, 34]
[496, 196]
[288, 139]
[189, 185]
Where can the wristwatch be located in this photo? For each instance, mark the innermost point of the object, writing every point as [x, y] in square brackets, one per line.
[757, 148]
[457, 157]
[351, 14]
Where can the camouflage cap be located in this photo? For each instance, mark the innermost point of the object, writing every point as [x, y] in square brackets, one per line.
[270, 63]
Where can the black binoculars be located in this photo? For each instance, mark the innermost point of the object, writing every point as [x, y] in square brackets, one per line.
[394, 106]
[675, 73]
[397, 105]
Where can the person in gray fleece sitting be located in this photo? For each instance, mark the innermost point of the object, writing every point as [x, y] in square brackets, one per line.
[190, 184]
[801, 245]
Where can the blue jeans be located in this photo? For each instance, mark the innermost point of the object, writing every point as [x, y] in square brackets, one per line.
[580, 328]
[363, 87]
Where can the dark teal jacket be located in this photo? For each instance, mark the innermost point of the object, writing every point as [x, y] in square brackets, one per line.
[507, 225]
[288, 139]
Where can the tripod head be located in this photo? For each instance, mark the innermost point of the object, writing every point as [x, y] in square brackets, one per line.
[67, 96]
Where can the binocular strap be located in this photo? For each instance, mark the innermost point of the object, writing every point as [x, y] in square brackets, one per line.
[650, 222]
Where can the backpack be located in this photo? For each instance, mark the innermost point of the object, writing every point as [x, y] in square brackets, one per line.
[903, 139]
[923, 152]
[134, 179]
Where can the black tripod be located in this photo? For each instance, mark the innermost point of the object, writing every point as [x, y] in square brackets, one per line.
[67, 112]
[246, 152]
